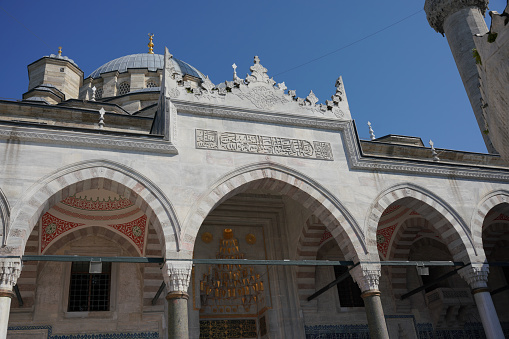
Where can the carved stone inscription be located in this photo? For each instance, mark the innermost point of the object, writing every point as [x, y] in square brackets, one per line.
[251, 143]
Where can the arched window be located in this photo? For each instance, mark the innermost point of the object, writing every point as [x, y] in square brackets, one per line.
[124, 88]
[151, 84]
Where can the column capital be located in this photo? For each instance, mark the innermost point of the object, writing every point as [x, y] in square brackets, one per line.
[10, 269]
[476, 275]
[177, 275]
[437, 11]
[367, 276]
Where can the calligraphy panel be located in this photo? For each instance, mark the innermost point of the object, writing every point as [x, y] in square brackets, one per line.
[261, 144]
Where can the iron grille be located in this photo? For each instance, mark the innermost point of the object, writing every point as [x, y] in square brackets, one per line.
[89, 292]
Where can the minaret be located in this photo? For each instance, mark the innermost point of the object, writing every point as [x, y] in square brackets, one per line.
[459, 20]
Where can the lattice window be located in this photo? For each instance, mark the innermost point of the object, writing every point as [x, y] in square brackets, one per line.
[89, 292]
[348, 291]
[151, 84]
[124, 88]
[99, 93]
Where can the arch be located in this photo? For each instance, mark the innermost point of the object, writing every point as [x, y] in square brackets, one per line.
[486, 203]
[98, 231]
[284, 180]
[88, 175]
[441, 216]
[4, 216]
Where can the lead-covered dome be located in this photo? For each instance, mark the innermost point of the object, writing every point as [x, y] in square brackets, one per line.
[145, 60]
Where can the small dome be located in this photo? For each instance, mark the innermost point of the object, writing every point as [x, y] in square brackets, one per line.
[145, 60]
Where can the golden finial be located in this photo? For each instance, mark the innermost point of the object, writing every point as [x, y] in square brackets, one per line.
[60, 51]
[150, 44]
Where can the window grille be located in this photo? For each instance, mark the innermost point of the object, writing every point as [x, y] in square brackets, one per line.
[98, 93]
[151, 84]
[124, 88]
[348, 291]
[89, 292]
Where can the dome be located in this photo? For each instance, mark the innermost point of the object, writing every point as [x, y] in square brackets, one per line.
[145, 60]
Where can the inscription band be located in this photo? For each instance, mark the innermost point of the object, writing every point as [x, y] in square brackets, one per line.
[260, 144]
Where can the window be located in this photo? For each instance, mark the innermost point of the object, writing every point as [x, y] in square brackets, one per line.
[124, 88]
[348, 291]
[89, 292]
[151, 83]
[98, 93]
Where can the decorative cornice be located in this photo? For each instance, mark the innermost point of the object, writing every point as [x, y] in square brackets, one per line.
[10, 269]
[437, 11]
[260, 116]
[476, 275]
[177, 275]
[45, 135]
[367, 277]
[377, 163]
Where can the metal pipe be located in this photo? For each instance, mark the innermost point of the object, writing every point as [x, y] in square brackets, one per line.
[423, 287]
[18, 295]
[332, 284]
[159, 291]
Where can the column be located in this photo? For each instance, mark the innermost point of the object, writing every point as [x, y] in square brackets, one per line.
[10, 269]
[177, 275]
[368, 277]
[476, 275]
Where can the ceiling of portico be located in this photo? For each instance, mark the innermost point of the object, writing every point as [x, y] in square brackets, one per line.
[95, 207]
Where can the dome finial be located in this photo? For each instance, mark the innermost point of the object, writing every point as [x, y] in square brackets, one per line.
[60, 51]
[150, 44]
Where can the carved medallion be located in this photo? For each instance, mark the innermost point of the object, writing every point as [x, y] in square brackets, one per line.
[51, 228]
[173, 92]
[207, 237]
[251, 239]
[263, 97]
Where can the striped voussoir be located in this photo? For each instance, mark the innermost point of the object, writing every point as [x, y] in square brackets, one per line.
[89, 175]
[441, 217]
[307, 249]
[489, 201]
[281, 180]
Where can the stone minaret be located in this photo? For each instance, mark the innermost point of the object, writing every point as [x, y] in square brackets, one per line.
[459, 20]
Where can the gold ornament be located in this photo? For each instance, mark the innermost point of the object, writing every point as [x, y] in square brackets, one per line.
[206, 237]
[251, 239]
[150, 44]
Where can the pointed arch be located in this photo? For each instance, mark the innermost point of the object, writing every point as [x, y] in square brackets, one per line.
[286, 181]
[441, 216]
[486, 203]
[77, 177]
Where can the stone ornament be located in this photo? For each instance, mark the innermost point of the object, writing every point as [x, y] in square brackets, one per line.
[311, 98]
[10, 270]
[367, 276]
[177, 275]
[476, 275]
[437, 11]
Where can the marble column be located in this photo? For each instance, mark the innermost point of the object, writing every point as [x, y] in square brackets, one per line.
[368, 277]
[177, 275]
[10, 269]
[476, 276]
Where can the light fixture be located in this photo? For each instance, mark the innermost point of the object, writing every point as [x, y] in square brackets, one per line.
[422, 270]
[96, 267]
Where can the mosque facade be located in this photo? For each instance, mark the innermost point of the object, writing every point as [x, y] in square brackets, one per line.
[146, 201]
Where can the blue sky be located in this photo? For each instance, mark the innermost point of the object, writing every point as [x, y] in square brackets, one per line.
[404, 79]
